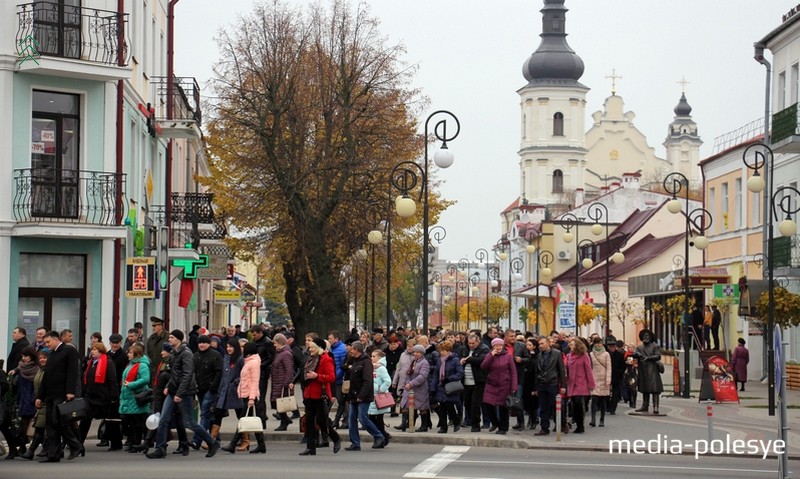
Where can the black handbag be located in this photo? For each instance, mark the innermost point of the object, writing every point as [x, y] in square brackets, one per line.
[513, 405]
[453, 387]
[145, 397]
[71, 411]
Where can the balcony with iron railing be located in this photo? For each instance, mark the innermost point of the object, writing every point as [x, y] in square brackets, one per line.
[787, 252]
[188, 209]
[48, 196]
[54, 38]
[187, 116]
[785, 137]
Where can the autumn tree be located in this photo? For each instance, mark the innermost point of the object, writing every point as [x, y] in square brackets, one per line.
[787, 308]
[312, 108]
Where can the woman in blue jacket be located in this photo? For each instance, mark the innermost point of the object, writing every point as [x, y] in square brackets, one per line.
[448, 370]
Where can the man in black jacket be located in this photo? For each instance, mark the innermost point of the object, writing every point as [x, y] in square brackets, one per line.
[520, 354]
[20, 337]
[59, 385]
[474, 380]
[361, 395]
[266, 351]
[208, 372]
[179, 393]
[617, 372]
[550, 381]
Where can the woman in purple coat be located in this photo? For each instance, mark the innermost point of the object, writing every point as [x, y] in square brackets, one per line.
[501, 381]
[739, 360]
[580, 380]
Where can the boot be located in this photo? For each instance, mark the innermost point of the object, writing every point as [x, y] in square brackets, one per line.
[261, 448]
[656, 399]
[35, 441]
[645, 403]
[183, 448]
[245, 444]
[425, 422]
[231, 446]
[532, 422]
[593, 423]
[214, 433]
[403, 423]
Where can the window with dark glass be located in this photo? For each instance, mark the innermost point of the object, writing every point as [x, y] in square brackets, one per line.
[57, 27]
[558, 124]
[558, 181]
[54, 154]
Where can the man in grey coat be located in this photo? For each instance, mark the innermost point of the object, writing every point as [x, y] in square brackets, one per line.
[179, 392]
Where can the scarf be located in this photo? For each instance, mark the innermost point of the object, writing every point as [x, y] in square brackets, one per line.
[28, 370]
[442, 369]
[132, 373]
[411, 367]
[99, 372]
[311, 364]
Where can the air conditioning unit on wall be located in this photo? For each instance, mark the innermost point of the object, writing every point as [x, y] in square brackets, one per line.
[564, 255]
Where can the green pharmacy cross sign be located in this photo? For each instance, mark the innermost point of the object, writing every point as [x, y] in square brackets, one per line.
[190, 265]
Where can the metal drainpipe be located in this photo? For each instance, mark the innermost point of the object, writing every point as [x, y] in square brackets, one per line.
[117, 286]
[170, 107]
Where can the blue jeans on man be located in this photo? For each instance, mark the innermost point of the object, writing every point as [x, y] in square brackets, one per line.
[360, 412]
[206, 401]
[185, 406]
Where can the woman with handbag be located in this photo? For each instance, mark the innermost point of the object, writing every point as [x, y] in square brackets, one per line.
[40, 418]
[417, 383]
[22, 381]
[501, 380]
[101, 392]
[318, 374]
[248, 393]
[446, 383]
[381, 382]
[601, 369]
[135, 382]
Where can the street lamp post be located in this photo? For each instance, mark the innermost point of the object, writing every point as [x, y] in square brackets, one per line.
[544, 257]
[568, 221]
[405, 206]
[515, 265]
[581, 263]
[780, 199]
[491, 273]
[596, 212]
[700, 219]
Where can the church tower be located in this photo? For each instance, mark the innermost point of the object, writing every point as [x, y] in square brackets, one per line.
[553, 106]
[683, 142]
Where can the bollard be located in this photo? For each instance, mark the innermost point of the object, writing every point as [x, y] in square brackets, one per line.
[710, 414]
[558, 417]
[411, 411]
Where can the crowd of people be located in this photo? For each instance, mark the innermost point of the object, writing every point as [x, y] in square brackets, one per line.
[142, 388]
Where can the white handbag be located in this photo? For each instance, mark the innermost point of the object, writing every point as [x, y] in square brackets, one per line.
[286, 403]
[248, 423]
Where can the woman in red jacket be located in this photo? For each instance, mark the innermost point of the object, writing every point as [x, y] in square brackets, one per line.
[248, 390]
[580, 380]
[318, 375]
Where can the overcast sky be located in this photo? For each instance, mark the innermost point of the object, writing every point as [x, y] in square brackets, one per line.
[470, 55]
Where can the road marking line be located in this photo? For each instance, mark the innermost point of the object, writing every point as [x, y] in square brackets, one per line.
[429, 468]
[594, 464]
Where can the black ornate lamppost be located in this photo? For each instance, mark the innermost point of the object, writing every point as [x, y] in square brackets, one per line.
[699, 219]
[454, 278]
[568, 221]
[543, 257]
[406, 207]
[515, 265]
[492, 274]
[780, 199]
[597, 212]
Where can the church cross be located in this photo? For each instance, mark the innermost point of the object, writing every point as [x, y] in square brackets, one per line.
[683, 84]
[614, 77]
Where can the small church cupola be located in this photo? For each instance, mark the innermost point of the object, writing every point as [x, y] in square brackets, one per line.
[683, 108]
[553, 59]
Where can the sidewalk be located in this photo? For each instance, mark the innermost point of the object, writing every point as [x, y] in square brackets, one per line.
[686, 421]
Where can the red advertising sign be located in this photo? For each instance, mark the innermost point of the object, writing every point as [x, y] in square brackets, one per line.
[722, 380]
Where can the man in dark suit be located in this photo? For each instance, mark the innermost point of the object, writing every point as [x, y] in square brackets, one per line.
[20, 337]
[58, 386]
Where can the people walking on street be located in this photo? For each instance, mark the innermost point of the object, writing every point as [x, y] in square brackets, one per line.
[101, 392]
[227, 394]
[416, 382]
[135, 380]
[448, 370]
[361, 395]
[59, 385]
[530, 402]
[501, 381]
[208, 372]
[382, 382]
[580, 380]
[318, 374]
[400, 378]
[155, 341]
[739, 361]
[248, 391]
[282, 377]
[179, 394]
[550, 381]
[339, 351]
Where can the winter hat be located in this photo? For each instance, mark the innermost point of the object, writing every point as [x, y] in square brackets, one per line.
[419, 349]
[166, 347]
[177, 333]
[497, 341]
[320, 343]
[204, 339]
[115, 338]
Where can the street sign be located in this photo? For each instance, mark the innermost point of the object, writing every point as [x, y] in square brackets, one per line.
[566, 315]
[727, 291]
[217, 267]
[248, 296]
[227, 297]
[140, 277]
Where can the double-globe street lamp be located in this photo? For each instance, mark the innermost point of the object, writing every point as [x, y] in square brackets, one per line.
[515, 265]
[699, 219]
[472, 279]
[492, 275]
[780, 199]
[568, 221]
[543, 257]
[597, 212]
[406, 207]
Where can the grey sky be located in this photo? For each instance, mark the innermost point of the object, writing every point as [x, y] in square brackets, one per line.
[470, 55]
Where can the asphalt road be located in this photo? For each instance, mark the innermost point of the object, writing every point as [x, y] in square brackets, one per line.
[398, 461]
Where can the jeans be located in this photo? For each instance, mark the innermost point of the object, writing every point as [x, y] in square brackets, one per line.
[547, 404]
[359, 412]
[185, 406]
[206, 401]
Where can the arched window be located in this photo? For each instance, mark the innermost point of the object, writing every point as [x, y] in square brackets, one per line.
[558, 181]
[558, 124]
